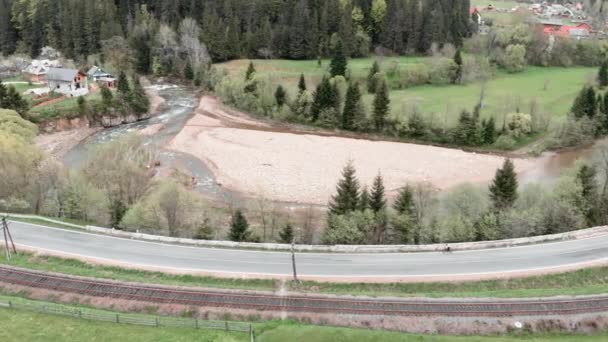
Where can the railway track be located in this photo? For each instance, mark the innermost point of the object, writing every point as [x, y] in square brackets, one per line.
[300, 303]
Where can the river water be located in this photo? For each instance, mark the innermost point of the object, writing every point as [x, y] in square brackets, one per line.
[180, 106]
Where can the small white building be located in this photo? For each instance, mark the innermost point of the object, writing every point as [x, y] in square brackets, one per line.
[69, 82]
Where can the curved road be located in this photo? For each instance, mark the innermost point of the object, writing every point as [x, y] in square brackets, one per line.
[477, 264]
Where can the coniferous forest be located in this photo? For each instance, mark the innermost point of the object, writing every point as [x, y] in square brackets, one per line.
[293, 29]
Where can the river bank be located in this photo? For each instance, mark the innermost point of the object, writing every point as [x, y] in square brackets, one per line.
[64, 135]
[248, 157]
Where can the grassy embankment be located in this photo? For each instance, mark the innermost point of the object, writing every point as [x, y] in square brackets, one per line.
[552, 88]
[21, 325]
[582, 282]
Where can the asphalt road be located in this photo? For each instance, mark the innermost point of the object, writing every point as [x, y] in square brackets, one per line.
[479, 263]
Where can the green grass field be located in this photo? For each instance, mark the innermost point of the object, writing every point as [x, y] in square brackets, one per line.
[29, 326]
[582, 282]
[553, 89]
[20, 325]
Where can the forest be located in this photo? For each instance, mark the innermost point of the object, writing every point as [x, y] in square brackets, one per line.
[293, 29]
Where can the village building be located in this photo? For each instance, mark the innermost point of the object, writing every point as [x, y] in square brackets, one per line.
[557, 28]
[69, 82]
[101, 77]
[36, 71]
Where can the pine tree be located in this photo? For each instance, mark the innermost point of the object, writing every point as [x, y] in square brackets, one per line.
[324, 98]
[458, 61]
[250, 72]
[347, 197]
[338, 63]
[82, 106]
[11, 99]
[188, 72]
[364, 199]
[286, 234]
[123, 85]
[239, 227]
[377, 197]
[602, 75]
[301, 85]
[140, 104]
[371, 78]
[589, 193]
[106, 97]
[280, 96]
[352, 106]
[585, 104]
[503, 190]
[404, 204]
[381, 106]
[489, 131]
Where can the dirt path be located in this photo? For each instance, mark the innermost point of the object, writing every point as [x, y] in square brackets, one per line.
[255, 157]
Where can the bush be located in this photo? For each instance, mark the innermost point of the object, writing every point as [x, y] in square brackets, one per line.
[349, 229]
[519, 124]
[442, 71]
[573, 133]
[414, 75]
[505, 142]
[514, 59]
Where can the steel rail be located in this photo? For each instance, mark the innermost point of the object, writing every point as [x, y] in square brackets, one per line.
[301, 303]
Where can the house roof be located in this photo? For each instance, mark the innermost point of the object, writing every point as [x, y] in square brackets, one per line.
[60, 74]
[98, 72]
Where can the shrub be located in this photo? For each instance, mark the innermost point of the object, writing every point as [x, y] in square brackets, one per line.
[515, 58]
[442, 71]
[573, 133]
[505, 142]
[414, 75]
[519, 124]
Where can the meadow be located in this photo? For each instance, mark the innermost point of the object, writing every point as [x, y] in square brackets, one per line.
[552, 89]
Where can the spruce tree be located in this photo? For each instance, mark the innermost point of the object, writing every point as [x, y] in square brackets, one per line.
[338, 63]
[188, 72]
[106, 97]
[286, 234]
[324, 98]
[371, 78]
[364, 199]
[589, 194]
[123, 85]
[140, 104]
[301, 84]
[239, 227]
[585, 104]
[404, 204]
[377, 197]
[458, 61]
[250, 72]
[602, 75]
[489, 131]
[503, 190]
[346, 199]
[381, 106]
[352, 106]
[280, 96]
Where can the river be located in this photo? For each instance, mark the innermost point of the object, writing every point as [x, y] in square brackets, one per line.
[179, 107]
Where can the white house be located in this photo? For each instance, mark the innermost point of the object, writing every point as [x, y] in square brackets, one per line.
[69, 82]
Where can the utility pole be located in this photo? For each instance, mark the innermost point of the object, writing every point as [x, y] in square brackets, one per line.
[293, 258]
[7, 238]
